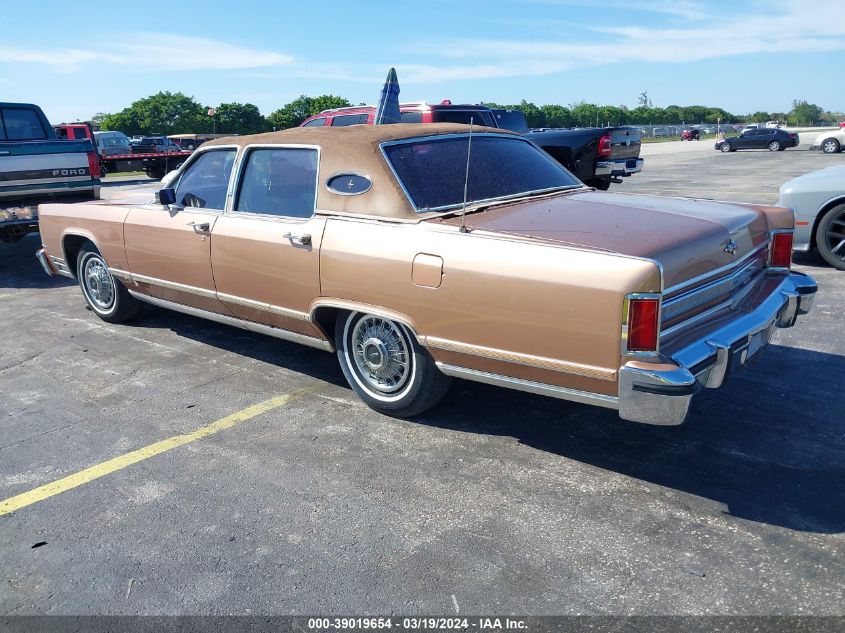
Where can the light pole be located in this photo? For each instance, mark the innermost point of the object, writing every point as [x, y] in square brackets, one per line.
[212, 112]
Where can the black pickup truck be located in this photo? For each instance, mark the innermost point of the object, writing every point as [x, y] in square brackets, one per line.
[598, 156]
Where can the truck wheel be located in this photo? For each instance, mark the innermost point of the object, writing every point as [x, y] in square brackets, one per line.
[105, 295]
[386, 367]
[156, 173]
[830, 146]
[598, 183]
[6, 235]
[830, 237]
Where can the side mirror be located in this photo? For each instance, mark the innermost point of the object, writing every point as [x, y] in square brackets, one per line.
[166, 196]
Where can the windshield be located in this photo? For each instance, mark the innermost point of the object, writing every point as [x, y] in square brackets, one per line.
[432, 169]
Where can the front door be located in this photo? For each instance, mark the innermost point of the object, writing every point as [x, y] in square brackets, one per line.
[168, 249]
[266, 251]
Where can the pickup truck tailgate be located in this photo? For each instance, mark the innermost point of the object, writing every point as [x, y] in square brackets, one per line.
[624, 143]
[44, 169]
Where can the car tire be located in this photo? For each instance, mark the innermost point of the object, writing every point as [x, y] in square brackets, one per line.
[774, 146]
[407, 385]
[598, 183]
[107, 297]
[831, 246]
[726, 147]
[830, 146]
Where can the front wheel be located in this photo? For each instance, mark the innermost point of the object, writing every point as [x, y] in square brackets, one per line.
[830, 237]
[774, 146]
[386, 367]
[830, 146]
[105, 295]
[726, 147]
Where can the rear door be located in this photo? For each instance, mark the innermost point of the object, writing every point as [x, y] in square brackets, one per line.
[266, 250]
[168, 249]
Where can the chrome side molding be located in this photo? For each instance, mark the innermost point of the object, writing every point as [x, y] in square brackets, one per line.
[259, 328]
[529, 386]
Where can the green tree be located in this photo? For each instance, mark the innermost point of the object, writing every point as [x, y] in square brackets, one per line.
[161, 113]
[240, 118]
[643, 101]
[557, 116]
[295, 112]
[804, 113]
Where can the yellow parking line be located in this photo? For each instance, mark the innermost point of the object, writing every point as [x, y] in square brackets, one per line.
[64, 484]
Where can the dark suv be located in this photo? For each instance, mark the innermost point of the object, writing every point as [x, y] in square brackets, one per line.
[775, 140]
[411, 113]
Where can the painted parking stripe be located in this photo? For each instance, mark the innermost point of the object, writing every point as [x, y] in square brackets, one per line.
[102, 469]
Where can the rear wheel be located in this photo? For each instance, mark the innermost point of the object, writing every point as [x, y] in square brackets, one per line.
[386, 367]
[830, 237]
[104, 294]
[156, 173]
[774, 146]
[830, 146]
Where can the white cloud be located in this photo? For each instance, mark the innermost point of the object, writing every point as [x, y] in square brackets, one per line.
[783, 29]
[678, 8]
[148, 51]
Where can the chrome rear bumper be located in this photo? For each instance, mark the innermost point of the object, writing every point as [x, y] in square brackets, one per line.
[41, 256]
[662, 393]
[620, 167]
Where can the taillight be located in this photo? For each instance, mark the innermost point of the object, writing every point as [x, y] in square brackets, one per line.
[781, 253]
[93, 164]
[643, 325]
[604, 146]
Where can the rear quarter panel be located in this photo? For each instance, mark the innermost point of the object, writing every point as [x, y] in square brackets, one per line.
[102, 224]
[515, 307]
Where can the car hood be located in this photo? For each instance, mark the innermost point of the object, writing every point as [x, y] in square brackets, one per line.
[827, 179]
[686, 236]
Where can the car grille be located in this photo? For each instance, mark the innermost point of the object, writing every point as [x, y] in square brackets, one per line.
[711, 293]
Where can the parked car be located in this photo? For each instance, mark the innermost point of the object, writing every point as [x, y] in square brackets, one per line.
[513, 120]
[416, 112]
[818, 199]
[749, 127]
[774, 140]
[416, 257]
[691, 135]
[830, 142]
[37, 166]
[155, 145]
[112, 144]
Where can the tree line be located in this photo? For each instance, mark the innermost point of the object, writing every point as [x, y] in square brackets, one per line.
[175, 113]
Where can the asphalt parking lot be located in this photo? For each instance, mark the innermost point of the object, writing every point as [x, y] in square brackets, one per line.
[495, 502]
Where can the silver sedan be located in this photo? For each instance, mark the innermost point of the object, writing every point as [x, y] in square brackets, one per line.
[818, 199]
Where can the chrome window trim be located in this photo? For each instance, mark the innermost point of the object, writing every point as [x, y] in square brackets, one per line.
[241, 169]
[626, 313]
[252, 326]
[348, 173]
[454, 135]
[190, 160]
[529, 386]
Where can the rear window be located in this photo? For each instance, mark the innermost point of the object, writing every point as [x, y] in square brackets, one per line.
[349, 119]
[432, 169]
[479, 117]
[21, 124]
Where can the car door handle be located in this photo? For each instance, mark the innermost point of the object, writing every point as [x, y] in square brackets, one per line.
[302, 240]
[200, 227]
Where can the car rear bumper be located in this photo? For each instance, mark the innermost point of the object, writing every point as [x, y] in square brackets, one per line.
[661, 394]
[52, 265]
[619, 167]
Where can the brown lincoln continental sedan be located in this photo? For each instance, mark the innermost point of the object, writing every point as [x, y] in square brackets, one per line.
[420, 253]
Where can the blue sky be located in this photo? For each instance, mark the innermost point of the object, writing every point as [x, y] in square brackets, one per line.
[742, 55]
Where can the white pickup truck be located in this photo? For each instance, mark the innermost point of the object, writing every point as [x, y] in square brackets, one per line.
[36, 166]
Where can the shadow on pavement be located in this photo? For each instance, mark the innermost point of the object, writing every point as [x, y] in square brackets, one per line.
[20, 269]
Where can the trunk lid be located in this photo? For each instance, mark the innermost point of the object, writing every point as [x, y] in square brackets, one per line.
[624, 142]
[690, 238]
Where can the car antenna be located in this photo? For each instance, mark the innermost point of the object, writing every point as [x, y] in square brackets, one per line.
[464, 228]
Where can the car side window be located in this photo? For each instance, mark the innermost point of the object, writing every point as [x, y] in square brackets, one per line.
[315, 122]
[349, 119]
[206, 180]
[279, 181]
